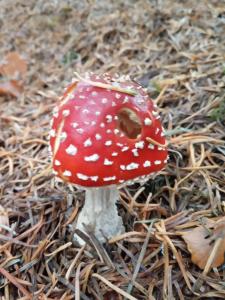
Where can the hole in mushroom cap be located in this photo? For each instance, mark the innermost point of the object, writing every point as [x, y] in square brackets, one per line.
[129, 123]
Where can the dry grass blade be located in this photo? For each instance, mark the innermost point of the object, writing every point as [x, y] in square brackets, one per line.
[14, 281]
[176, 254]
[140, 258]
[114, 287]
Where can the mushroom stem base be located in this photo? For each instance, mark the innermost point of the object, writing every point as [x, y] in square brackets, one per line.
[99, 214]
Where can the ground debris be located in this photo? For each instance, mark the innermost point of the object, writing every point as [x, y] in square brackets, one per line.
[176, 50]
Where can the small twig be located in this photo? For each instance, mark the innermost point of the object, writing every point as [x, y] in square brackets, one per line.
[106, 86]
[154, 142]
[99, 248]
[141, 257]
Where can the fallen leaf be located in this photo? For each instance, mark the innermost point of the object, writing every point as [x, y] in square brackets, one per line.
[13, 69]
[200, 242]
[10, 87]
[13, 66]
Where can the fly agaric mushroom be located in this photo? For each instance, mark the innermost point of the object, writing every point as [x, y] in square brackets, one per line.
[106, 132]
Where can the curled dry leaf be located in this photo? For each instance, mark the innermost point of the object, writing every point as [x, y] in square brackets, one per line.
[13, 69]
[13, 66]
[201, 240]
[10, 87]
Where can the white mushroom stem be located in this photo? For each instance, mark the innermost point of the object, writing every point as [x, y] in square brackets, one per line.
[100, 214]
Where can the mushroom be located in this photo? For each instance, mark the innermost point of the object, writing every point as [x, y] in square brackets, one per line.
[105, 133]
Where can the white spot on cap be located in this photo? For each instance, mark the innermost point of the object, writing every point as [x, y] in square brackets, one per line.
[165, 161]
[63, 136]
[85, 111]
[98, 136]
[140, 100]
[56, 112]
[155, 113]
[67, 173]
[94, 178]
[74, 125]
[102, 125]
[93, 123]
[161, 148]
[70, 96]
[148, 121]
[71, 150]
[82, 176]
[108, 143]
[146, 164]
[88, 143]
[162, 133]
[108, 162]
[52, 133]
[122, 167]
[57, 162]
[140, 145]
[125, 149]
[157, 162]
[94, 93]
[113, 103]
[135, 152]
[117, 96]
[116, 131]
[80, 130]
[97, 113]
[81, 96]
[104, 100]
[151, 146]
[109, 118]
[157, 130]
[114, 154]
[120, 145]
[66, 112]
[109, 178]
[108, 131]
[132, 166]
[126, 99]
[93, 157]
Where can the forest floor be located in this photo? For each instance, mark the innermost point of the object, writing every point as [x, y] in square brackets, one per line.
[175, 230]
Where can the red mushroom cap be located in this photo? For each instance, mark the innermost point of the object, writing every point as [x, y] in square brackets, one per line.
[102, 135]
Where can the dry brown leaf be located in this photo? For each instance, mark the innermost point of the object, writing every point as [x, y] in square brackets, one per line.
[200, 242]
[13, 69]
[11, 87]
[13, 66]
